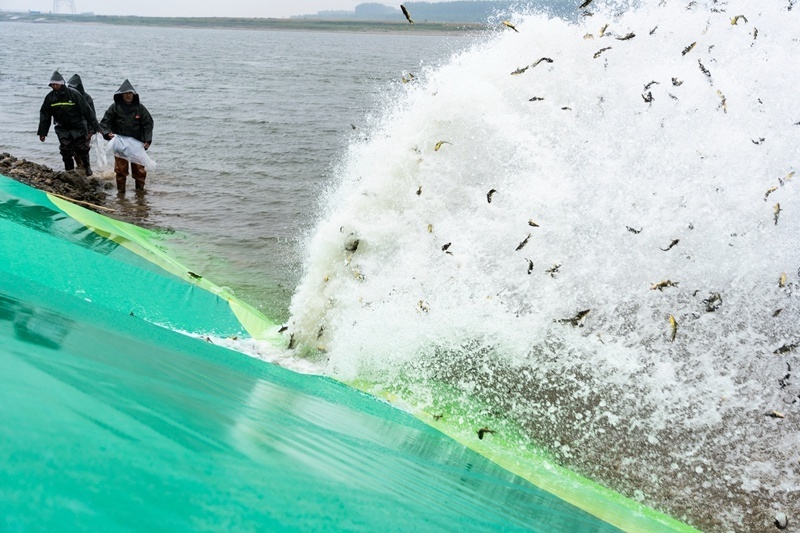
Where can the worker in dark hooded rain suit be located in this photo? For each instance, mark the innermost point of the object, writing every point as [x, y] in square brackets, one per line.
[76, 83]
[73, 119]
[128, 117]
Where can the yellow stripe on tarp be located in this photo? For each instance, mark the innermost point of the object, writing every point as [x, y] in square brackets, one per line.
[137, 240]
[603, 503]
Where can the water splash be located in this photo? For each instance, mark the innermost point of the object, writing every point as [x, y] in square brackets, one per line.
[592, 227]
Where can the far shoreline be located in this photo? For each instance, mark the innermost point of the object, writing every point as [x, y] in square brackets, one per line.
[291, 24]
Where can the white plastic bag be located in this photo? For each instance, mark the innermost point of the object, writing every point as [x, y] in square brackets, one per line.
[99, 149]
[131, 149]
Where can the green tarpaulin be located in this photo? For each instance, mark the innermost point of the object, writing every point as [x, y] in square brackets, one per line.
[117, 415]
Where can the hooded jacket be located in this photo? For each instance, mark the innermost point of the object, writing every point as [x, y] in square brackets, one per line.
[130, 120]
[76, 83]
[68, 109]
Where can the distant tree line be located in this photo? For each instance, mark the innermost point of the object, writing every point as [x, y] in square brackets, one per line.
[467, 11]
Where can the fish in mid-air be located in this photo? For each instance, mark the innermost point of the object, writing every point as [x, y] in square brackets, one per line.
[674, 325]
[597, 54]
[439, 145]
[523, 243]
[661, 285]
[405, 12]
[671, 245]
[507, 24]
[483, 431]
[575, 320]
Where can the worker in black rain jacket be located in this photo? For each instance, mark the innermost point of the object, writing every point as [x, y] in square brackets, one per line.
[128, 117]
[73, 119]
[76, 83]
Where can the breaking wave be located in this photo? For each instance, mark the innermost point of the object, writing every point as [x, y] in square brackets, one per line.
[592, 227]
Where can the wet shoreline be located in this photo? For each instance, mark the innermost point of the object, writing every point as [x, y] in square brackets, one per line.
[73, 185]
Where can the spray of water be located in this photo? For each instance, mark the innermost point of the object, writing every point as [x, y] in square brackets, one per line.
[592, 227]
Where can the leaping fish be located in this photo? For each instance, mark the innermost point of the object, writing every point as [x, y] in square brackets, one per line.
[585, 4]
[523, 243]
[770, 191]
[674, 325]
[777, 210]
[724, 103]
[735, 20]
[575, 320]
[597, 54]
[688, 48]
[782, 280]
[661, 285]
[439, 145]
[507, 24]
[671, 245]
[489, 195]
[483, 431]
[405, 12]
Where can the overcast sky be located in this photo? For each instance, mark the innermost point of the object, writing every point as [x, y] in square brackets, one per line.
[192, 8]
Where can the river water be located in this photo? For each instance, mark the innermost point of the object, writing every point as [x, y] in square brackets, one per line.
[590, 226]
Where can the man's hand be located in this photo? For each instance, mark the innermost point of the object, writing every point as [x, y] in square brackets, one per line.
[42, 138]
[146, 145]
[108, 136]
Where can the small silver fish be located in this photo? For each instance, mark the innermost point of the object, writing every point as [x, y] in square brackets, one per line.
[671, 245]
[523, 243]
[597, 54]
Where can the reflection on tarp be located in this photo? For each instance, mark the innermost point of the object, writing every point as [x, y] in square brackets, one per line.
[130, 426]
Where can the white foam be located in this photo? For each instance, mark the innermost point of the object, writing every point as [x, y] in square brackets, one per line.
[690, 166]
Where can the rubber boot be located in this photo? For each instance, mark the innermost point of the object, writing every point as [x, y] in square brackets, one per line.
[121, 185]
[87, 167]
[139, 185]
[69, 163]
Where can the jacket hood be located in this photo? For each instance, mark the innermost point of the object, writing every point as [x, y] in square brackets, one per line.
[76, 83]
[56, 78]
[126, 87]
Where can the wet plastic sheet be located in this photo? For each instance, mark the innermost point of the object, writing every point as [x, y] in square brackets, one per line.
[99, 151]
[130, 149]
